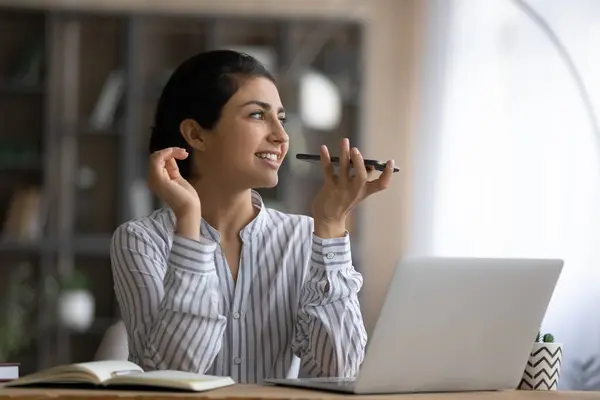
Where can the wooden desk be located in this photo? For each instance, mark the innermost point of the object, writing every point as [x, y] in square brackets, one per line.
[253, 392]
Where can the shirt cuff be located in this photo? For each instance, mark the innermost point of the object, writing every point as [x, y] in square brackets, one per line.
[195, 256]
[331, 252]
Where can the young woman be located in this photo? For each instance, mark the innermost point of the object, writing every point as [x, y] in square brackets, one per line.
[216, 282]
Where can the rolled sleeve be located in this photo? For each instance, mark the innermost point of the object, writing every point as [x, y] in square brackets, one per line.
[332, 252]
[195, 256]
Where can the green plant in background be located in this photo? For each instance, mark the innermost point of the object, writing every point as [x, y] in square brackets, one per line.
[18, 305]
[545, 338]
[16, 308]
[76, 281]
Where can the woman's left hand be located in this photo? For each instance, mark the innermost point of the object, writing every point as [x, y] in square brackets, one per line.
[342, 192]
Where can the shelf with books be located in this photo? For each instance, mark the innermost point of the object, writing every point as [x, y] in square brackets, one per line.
[92, 109]
[28, 247]
[16, 167]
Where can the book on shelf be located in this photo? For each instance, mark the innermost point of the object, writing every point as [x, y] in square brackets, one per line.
[119, 375]
[105, 110]
[9, 371]
[25, 215]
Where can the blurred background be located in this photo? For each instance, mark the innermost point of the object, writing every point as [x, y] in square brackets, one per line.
[487, 106]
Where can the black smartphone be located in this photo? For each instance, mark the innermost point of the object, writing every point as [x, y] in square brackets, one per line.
[378, 165]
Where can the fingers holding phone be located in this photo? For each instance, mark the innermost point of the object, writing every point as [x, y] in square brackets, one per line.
[370, 164]
[341, 192]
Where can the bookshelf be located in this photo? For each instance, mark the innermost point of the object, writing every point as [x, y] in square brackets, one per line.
[76, 127]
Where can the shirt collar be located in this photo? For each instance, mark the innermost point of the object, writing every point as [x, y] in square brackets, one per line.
[251, 230]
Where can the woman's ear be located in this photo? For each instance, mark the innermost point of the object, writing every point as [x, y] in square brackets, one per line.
[193, 133]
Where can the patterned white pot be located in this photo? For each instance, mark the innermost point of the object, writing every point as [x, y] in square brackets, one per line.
[543, 367]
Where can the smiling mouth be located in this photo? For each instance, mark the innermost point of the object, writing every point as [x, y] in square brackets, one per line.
[268, 156]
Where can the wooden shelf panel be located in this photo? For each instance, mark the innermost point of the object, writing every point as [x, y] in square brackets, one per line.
[9, 87]
[89, 245]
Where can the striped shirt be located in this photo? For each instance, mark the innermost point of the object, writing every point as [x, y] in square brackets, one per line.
[294, 306]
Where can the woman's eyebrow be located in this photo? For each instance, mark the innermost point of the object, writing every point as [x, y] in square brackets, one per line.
[262, 104]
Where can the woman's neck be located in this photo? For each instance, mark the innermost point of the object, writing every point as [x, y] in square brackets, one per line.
[228, 211]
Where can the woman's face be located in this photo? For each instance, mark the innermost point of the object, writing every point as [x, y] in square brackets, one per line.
[248, 144]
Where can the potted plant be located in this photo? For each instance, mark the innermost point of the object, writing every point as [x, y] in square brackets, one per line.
[16, 311]
[543, 367]
[76, 305]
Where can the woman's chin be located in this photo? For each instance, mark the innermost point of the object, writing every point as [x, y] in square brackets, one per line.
[266, 182]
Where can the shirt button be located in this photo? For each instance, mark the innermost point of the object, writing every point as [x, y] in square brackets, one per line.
[237, 360]
[236, 315]
[330, 255]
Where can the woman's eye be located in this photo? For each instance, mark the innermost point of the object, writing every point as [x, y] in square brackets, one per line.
[260, 115]
[257, 115]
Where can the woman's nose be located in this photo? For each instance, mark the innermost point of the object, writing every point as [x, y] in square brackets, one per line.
[279, 134]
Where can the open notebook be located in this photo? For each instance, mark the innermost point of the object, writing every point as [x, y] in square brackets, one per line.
[119, 374]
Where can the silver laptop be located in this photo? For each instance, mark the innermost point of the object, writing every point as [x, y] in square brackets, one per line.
[452, 324]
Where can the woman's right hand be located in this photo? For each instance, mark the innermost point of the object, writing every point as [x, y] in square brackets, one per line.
[167, 183]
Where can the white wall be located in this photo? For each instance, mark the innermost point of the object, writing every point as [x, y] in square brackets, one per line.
[507, 162]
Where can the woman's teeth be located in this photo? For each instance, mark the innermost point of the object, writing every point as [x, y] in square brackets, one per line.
[267, 156]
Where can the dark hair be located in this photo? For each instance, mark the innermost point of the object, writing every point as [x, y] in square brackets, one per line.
[198, 89]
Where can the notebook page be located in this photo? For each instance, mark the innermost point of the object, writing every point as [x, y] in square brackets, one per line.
[106, 370]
